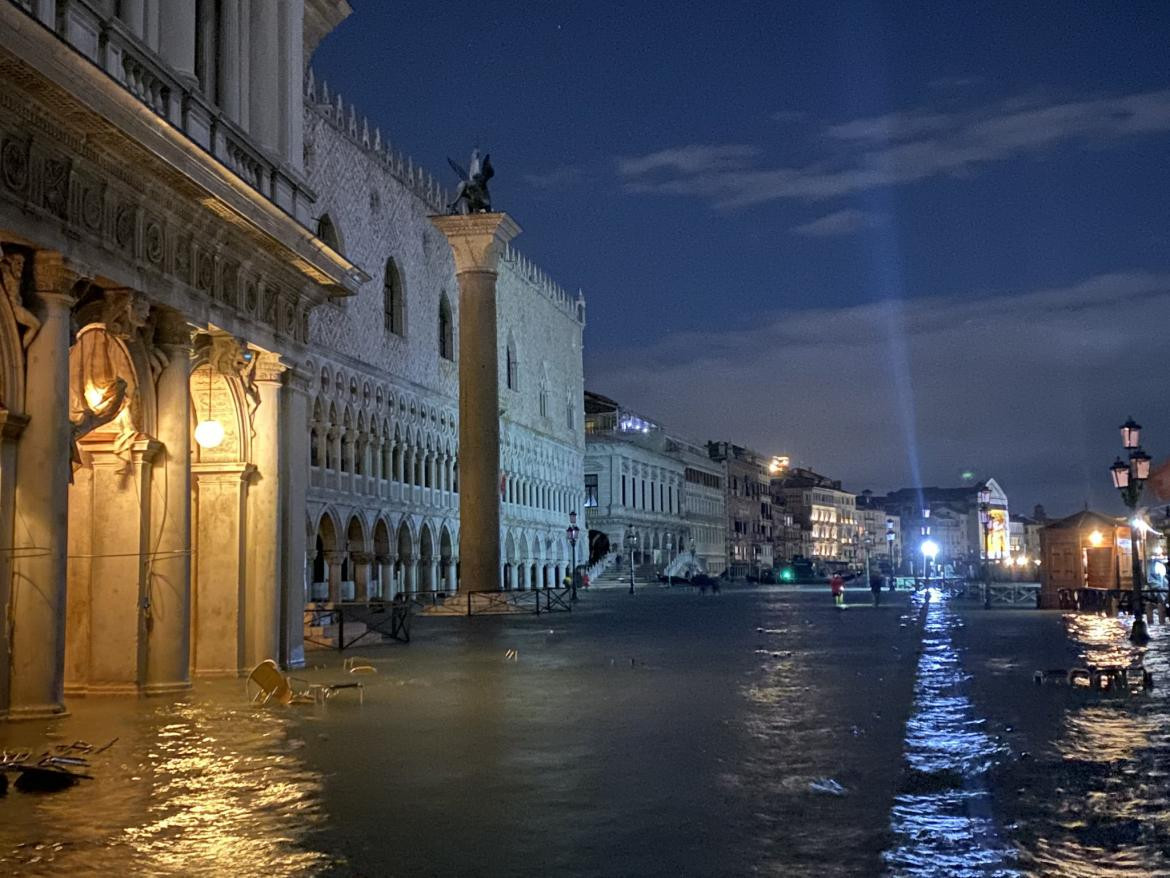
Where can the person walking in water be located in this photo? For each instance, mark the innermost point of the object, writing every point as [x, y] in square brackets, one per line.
[837, 586]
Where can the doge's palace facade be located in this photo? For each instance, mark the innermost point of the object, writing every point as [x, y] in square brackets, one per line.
[383, 497]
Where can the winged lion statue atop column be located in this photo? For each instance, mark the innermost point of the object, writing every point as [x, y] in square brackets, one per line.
[472, 194]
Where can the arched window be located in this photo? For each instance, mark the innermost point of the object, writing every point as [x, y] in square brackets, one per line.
[393, 301]
[446, 330]
[512, 366]
[328, 233]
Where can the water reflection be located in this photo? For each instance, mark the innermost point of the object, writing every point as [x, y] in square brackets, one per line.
[942, 818]
[1101, 803]
[189, 788]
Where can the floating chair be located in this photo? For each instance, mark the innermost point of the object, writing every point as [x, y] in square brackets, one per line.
[274, 685]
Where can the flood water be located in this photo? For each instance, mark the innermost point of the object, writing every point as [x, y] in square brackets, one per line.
[748, 733]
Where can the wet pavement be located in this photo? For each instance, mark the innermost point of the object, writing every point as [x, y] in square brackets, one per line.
[753, 732]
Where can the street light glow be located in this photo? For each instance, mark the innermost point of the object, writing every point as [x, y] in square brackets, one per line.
[1096, 538]
[930, 549]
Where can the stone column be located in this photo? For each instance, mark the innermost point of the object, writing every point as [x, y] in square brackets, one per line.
[168, 629]
[40, 533]
[361, 575]
[334, 560]
[11, 426]
[177, 35]
[229, 62]
[289, 76]
[262, 597]
[263, 66]
[133, 12]
[294, 538]
[476, 241]
[452, 585]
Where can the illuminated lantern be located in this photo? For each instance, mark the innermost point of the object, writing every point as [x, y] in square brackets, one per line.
[1120, 472]
[1131, 433]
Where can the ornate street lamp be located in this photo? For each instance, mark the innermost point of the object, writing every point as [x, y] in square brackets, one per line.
[1129, 478]
[985, 525]
[631, 543]
[571, 532]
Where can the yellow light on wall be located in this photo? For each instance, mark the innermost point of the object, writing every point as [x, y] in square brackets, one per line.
[94, 395]
[209, 433]
[1096, 538]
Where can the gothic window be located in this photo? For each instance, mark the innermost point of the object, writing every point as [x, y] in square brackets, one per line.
[512, 366]
[591, 490]
[570, 414]
[544, 402]
[446, 332]
[328, 233]
[393, 306]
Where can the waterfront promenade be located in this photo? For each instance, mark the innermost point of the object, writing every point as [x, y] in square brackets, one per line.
[750, 732]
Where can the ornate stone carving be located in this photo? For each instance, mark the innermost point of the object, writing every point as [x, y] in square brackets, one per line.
[153, 242]
[55, 186]
[183, 259]
[124, 312]
[11, 277]
[14, 164]
[124, 223]
[205, 272]
[91, 208]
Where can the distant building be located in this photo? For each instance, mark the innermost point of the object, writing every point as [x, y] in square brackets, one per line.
[747, 476]
[824, 513]
[636, 476]
[950, 518]
[882, 529]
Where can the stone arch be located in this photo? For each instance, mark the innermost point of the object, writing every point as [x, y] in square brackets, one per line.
[511, 364]
[393, 299]
[404, 565]
[446, 328]
[330, 234]
[447, 557]
[379, 586]
[426, 559]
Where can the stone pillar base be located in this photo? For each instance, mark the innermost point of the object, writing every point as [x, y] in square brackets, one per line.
[35, 712]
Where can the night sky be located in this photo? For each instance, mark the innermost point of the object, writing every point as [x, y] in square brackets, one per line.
[895, 241]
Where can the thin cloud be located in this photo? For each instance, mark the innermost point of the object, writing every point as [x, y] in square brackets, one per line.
[834, 225]
[897, 148]
[1024, 386]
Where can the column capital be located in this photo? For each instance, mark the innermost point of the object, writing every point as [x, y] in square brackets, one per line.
[270, 368]
[477, 239]
[172, 331]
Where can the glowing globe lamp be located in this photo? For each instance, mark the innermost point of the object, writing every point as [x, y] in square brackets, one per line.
[209, 433]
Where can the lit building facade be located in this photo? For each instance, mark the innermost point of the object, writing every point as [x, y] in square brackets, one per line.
[227, 354]
[383, 503]
[748, 498]
[159, 267]
[634, 479]
[824, 514]
[953, 522]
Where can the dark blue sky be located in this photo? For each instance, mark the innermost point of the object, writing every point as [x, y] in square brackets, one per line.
[730, 185]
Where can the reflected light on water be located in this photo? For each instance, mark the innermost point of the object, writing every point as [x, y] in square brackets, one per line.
[1102, 804]
[942, 819]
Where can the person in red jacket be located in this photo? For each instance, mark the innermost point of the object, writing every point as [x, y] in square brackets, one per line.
[837, 586]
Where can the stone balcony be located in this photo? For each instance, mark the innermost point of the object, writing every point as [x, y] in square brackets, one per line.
[110, 45]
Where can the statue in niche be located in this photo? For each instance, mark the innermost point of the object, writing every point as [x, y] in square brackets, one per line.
[472, 194]
[11, 274]
[231, 356]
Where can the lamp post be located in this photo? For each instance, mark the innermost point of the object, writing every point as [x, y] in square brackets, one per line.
[571, 532]
[631, 542]
[1129, 477]
[984, 522]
